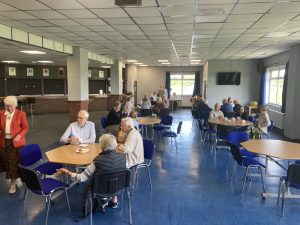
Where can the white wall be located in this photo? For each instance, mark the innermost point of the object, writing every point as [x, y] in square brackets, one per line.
[149, 78]
[247, 91]
[131, 71]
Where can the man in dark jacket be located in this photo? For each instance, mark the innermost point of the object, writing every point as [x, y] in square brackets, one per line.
[107, 161]
[114, 118]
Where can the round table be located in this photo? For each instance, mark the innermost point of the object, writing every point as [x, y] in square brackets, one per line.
[67, 154]
[229, 123]
[148, 120]
[274, 148]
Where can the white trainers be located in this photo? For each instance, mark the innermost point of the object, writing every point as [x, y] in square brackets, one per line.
[19, 183]
[13, 189]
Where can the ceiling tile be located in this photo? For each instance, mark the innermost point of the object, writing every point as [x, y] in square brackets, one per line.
[90, 22]
[47, 14]
[210, 10]
[214, 19]
[143, 11]
[76, 28]
[175, 2]
[5, 7]
[217, 2]
[101, 28]
[98, 4]
[177, 10]
[148, 20]
[17, 15]
[240, 25]
[116, 21]
[65, 4]
[37, 23]
[52, 29]
[180, 19]
[243, 18]
[153, 27]
[64, 22]
[286, 6]
[252, 8]
[208, 25]
[26, 5]
[78, 13]
[278, 16]
[156, 32]
[132, 32]
[110, 13]
[126, 27]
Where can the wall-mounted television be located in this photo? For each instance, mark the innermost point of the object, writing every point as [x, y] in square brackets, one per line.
[229, 78]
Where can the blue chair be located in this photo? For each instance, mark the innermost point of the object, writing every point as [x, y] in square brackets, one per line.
[103, 122]
[205, 132]
[107, 185]
[165, 123]
[148, 154]
[43, 187]
[237, 137]
[245, 162]
[172, 134]
[31, 154]
[195, 115]
[292, 180]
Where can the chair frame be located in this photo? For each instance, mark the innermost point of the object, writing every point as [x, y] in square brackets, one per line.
[108, 179]
[177, 133]
[38, 187]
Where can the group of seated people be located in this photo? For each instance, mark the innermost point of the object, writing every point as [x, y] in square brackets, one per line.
[233, 109]
[122, 150]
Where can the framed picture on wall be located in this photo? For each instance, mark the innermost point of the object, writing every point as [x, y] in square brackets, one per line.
[101, 74]
[29, 72]
[12, 71]
[90, 73]
[61, 72]
[45, 72]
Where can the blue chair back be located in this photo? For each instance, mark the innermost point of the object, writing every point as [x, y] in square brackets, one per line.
[31, 179]
[103, 122]
[271, 126]
[148, 148]
[167, 120]
[179, 127]
[236, 137]
[236, 153]
[251, 119]
[30, 154]
[293, 176]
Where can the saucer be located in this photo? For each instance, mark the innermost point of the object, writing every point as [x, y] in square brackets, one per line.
[82, 150]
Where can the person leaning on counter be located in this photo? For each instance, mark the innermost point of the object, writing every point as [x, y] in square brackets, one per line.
[82, 131]
[13, 128]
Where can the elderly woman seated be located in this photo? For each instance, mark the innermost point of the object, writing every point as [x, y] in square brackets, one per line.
[107, 161]
[262, 123]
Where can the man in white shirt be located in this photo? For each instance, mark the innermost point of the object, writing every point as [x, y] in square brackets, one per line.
[82, 131]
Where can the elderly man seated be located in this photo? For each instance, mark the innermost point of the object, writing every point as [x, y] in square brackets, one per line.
[132, 145]
[108, 160]
[82, 131]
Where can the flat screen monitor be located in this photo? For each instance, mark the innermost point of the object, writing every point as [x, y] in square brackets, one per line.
[229, 78]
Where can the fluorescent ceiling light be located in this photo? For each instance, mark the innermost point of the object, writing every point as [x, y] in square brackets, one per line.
[175, 16]
[45, 61]
[195, 60]
[105, 66]
[10, 61]
[166, 63]
[137, 63]
[143, 65]
[163, 60]
[33, 52]
[194, 63]
[131, 60]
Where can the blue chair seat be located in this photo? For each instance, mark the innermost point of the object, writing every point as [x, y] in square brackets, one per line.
[48, 168]
[169, 134]
[160, 127]
[247, 153]
[50, 184]
[251, 162]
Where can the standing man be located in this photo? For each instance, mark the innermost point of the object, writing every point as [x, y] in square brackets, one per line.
[82, 131]
[132, 146]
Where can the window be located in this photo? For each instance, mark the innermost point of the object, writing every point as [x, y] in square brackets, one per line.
[182, 84]
[274, 85]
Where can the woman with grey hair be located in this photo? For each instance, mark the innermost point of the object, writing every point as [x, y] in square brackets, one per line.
[262, 122]
[13, 128]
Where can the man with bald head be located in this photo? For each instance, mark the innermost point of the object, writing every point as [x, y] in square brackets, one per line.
[80, 132]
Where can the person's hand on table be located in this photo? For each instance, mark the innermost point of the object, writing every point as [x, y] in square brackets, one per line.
[61, 171]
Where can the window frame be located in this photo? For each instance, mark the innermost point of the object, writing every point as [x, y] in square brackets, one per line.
[269, 79]
[182, 80]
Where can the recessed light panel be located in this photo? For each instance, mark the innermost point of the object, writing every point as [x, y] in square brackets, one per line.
[33, 52]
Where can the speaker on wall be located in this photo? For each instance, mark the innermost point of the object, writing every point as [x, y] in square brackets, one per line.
[260, 67]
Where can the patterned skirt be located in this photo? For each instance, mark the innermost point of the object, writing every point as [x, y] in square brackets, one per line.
[9, 160]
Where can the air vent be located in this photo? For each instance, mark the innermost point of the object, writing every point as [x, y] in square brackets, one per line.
[128, 2]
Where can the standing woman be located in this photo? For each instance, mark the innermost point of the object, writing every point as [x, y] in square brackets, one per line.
[13, 127]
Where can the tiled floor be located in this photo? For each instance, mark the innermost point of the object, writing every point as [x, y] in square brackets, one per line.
[190, 186]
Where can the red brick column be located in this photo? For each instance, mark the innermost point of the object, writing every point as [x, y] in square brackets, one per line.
[75, 107]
